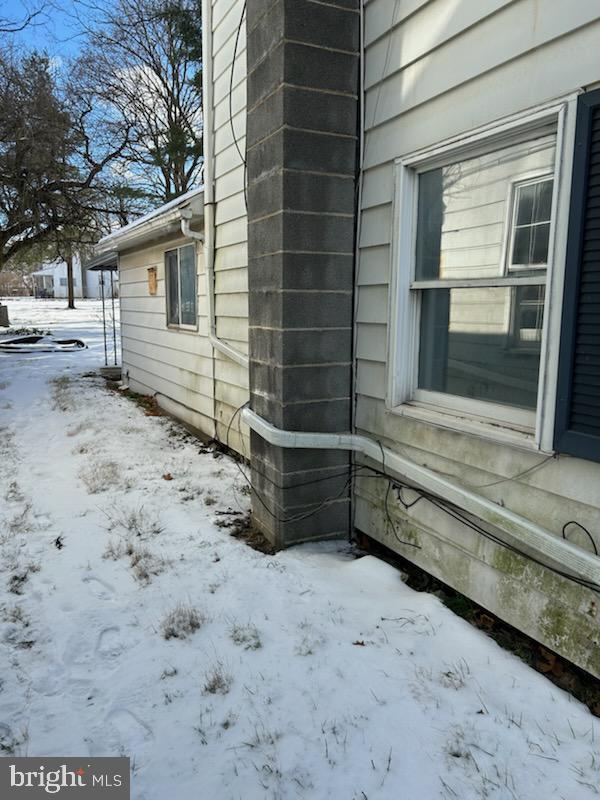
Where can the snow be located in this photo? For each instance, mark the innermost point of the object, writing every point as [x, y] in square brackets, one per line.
[330, 677]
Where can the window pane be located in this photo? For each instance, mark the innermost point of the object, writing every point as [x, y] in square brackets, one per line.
[172, 287]
[187, 273]
[521, 246]
[543, 207]
[482, 343]
[525, 197]
[430, 217]
[462, 210]
[532, 229]
[539, 246]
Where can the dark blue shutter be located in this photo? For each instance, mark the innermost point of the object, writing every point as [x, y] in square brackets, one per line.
[577, 430]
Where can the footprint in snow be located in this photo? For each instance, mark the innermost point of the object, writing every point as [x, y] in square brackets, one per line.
[51, 682]
[109, 644]
[99, 588]
[132, 731]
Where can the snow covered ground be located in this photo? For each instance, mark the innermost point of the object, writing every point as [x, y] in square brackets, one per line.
[310, 674]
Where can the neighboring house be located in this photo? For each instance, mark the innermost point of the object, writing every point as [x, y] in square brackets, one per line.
[425, 371]
[51, 281]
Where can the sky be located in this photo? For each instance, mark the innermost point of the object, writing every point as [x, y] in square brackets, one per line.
[54, 30]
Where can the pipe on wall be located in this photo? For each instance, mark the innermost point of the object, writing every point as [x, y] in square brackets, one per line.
[208, 238]
[218, 344]
[546, 547]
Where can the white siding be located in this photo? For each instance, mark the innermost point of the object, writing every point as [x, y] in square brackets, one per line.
[177, 364]
[201, 386]
[436, 69]
[231, 259]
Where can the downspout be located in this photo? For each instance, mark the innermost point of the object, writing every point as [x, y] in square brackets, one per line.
[208, 238]
[357, 233]
[517, 530]
[218, 344]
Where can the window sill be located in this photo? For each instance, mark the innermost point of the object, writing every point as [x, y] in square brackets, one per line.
[499, 433]
[183, 328]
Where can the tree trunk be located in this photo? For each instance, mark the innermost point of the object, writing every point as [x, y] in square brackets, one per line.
[70, 289]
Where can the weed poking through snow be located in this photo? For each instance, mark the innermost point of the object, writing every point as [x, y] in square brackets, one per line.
[17, 581]
[144, 563]
[182, 622]
[218, 680]
[12, 744]
[138, 522]
[100, 477]
[13, 493]
[246, 636]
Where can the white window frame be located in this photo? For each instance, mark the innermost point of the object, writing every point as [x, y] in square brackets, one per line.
[529, 429]
[180, 326]
[515, 185]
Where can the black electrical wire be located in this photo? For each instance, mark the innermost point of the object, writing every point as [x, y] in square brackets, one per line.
[233, 133]
[585, 530]
[513, 477]
[440, 503]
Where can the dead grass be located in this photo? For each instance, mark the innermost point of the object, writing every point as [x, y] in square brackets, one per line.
[19, 578]
[101, 476]
[15, 615]
[144, 563]
[243, 529]
[13, 494]
[62, 398]
[246, 636]
[12, 743]
[19, 523]
[137, 522]
[181, 622]
[145, 401]
[218, 680]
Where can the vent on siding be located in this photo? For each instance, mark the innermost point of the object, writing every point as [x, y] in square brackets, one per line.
[578, 401]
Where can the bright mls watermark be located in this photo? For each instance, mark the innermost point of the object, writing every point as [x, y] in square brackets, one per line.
[27, 778]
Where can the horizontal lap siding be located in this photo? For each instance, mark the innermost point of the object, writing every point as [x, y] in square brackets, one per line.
[436, 69]
[231, 257]
[174, 363]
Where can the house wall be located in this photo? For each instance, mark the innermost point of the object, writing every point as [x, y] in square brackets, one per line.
[176, 364]
[231, 258]
[197, 383]
[60, 278]
[435, 69]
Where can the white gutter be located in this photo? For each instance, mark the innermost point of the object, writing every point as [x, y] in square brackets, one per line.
[209, 191]
[520, 531]
[154, 222]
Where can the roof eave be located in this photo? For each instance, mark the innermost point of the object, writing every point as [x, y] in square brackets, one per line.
[156, 225]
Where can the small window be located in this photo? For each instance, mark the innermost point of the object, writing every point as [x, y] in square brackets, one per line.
[180, 276]
[63, 281]
[532, 205]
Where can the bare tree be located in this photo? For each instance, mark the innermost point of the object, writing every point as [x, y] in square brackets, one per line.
[29, 16]
[54, 155]
[143, 64]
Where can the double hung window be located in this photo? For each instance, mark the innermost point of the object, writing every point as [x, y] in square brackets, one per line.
[182, 294]
[479, 223]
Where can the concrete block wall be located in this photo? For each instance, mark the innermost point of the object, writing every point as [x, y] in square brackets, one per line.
[302, 153]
